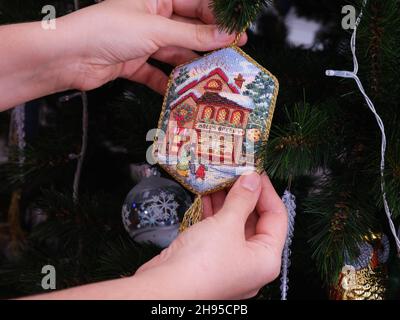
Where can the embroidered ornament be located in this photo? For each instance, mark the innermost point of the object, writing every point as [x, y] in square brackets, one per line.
[217, 113]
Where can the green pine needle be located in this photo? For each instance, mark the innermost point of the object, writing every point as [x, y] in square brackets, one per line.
[341, 217]
[236, 15]
[300, 145]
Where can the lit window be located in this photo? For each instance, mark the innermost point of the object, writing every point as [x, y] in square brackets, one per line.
[237, 118]
[214, 84]
[222, 115]
[208, 113]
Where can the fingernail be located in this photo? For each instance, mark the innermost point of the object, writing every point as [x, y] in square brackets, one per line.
[250, 181]
[222, 35]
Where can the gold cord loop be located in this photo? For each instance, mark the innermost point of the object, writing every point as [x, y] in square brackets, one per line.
[237, 39]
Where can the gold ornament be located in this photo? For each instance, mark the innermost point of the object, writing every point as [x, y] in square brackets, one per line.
[365, 278]
[364, 284]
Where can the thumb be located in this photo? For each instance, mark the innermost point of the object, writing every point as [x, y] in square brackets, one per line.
[199, 37]
[242, 198]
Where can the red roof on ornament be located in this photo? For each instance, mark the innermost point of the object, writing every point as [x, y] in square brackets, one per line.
[217, 71]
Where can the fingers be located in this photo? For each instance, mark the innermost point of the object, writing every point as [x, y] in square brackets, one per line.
[242, 41]
[194, 9]
[251, 224]
[218, 199]
[147, 74]
[207, 207]
[174, 55]
[166, 32]
[271, 228]
[242, 199]
[269, 200]
[186, 19]
[213, 203]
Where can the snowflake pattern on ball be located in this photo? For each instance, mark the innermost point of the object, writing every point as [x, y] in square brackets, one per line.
[159, 210]
[126, 216]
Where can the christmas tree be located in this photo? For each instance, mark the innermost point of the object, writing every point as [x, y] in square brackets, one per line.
[259, 91]
[325, 147]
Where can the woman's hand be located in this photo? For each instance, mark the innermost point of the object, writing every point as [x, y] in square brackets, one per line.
[112, 39]
[230, 255]
[235, 251]
[121, 35]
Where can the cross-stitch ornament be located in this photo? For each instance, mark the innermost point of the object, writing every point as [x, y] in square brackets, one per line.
[217, 113]
[153, 208]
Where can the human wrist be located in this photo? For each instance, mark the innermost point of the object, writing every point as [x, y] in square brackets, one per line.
[165, 282]
[65, 60]
[58, 56]
[35, 62]
[55, 61]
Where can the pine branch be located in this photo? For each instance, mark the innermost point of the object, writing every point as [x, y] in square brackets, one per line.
[343, 215]
[121, 257]
[392, 169]
[379, 36]
[106, 256]
[300, 145]
[84, 242]
[44, 161]
[236, 15]
[131, 109]
[96, 210]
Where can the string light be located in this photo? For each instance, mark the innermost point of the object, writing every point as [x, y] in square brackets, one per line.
[353, 75]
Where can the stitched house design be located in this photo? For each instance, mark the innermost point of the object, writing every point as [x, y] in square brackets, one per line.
[213, 108]
[216, 114]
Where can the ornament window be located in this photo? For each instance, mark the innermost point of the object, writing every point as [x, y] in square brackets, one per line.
[208, 113]
[222, 115]
[214, 84]
[237, 118]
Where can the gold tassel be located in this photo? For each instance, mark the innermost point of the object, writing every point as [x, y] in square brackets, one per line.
[193, 214]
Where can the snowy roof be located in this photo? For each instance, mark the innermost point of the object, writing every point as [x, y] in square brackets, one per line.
[243, 101]
[189, 93]
[194, 80]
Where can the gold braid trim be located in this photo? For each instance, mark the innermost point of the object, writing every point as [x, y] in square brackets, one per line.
[193, 214]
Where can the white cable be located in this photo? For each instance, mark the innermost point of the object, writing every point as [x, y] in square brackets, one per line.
[353, 75]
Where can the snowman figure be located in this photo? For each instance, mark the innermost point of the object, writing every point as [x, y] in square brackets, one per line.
[192, 162]
[183, 164]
